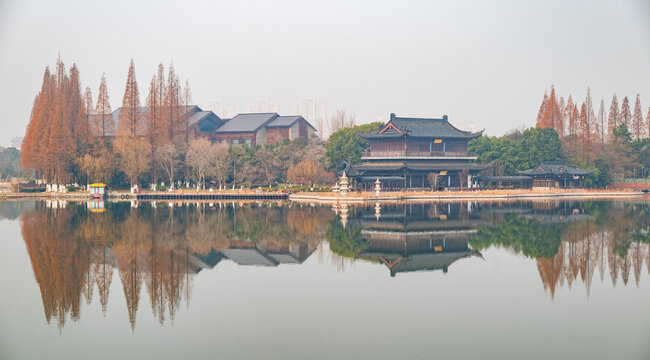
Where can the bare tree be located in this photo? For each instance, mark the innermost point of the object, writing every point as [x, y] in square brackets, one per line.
[168, 157]
[199, 158]
[134, 159]
[340, 121]
[221, 163]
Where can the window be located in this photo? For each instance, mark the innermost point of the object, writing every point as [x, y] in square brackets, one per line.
[248, 142]
[235, 142]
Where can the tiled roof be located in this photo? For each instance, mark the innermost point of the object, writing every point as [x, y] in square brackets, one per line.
[555, 168]
[247, 122]
[421, 127]
[287, 121]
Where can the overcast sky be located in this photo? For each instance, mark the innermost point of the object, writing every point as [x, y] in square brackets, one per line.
[482, 62]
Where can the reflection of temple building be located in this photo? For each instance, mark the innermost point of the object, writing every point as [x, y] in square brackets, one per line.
[418, 237]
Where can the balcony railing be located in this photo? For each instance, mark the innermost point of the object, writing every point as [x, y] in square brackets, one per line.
[398, 154]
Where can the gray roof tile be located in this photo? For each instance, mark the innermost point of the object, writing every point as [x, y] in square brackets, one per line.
[247, 122]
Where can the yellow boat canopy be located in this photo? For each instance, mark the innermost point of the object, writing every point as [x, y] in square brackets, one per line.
[97, 185]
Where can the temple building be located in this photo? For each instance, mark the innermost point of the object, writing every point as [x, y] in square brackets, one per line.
[412, 153]
[548, 175]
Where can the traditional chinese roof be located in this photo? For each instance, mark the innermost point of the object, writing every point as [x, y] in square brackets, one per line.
[288, 121]
[419, 262]
[420, 127]
[555, 168]
[247, 122]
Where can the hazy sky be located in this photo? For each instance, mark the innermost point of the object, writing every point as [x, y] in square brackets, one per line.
[486, 62]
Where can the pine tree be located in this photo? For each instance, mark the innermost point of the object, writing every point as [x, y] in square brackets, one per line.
[60, 148]
[626, 114]
[552, 117]
[601, 120]
[542, 109]
[31, 150]
[638, 125]
[584, 130]
[172, 105]
[574, 121]
[613, 120]
[79, 122]
[130, 119]
[103, 121]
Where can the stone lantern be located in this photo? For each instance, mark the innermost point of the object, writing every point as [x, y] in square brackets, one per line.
[344, 185]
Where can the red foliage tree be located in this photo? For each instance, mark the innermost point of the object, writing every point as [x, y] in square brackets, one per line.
[103, 121]
[130, 119]
[614, 117]
[638, 125]
[626, 114]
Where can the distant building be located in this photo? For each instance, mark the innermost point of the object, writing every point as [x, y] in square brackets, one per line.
[263, 105]
[262, 128]
[417, 153]
[548, 175]
[222, 109]
[312, 110]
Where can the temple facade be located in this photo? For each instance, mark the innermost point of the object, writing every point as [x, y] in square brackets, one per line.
[417, 153]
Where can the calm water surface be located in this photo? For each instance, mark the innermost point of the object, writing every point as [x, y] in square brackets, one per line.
[534, 280]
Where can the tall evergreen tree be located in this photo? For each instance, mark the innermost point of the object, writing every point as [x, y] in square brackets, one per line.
[79, 121]
[626, 113]
[552, 117]
[574, 121]
[103, 121]
[613, 119]
[59, 152]
[172, 105]
[638, 125]
[130, 119]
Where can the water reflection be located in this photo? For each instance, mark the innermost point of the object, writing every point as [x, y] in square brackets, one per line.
[159, 248]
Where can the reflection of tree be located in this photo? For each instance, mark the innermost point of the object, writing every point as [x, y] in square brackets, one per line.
[129, 252]
[60, 267]
[616, 237]
[346, 242]
[523, 235]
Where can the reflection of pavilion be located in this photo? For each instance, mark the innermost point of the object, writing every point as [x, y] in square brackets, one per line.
[419, 238]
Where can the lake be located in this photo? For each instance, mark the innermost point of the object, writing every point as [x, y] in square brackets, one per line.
[276, 280]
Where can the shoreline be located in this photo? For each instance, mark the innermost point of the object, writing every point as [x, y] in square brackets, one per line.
[479, 195]
[351, 198]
